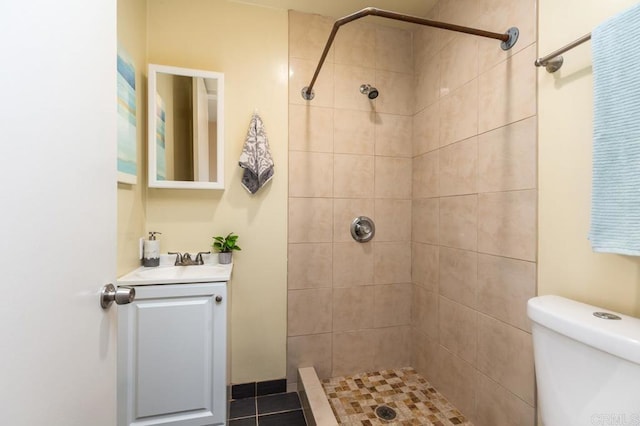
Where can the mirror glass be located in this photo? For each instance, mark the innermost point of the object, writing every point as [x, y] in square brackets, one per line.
[186, 128]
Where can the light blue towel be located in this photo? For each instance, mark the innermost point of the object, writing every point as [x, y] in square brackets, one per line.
[615, 199]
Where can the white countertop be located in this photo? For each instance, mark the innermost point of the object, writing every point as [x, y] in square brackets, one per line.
[167, 273]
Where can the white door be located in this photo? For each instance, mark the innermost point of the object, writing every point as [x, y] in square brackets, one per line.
[57, 211]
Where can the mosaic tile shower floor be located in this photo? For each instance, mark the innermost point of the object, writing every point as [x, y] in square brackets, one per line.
[354, 399]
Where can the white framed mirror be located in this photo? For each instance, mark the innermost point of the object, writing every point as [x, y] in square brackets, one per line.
[186, 128]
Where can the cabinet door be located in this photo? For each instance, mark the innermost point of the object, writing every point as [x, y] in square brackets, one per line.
[172, 356]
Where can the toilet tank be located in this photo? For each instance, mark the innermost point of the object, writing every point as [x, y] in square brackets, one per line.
[587, 368]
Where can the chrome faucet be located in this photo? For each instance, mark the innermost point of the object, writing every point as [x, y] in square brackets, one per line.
[185, 259]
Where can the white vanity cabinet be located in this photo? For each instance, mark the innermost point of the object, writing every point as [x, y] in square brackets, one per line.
[172, 355]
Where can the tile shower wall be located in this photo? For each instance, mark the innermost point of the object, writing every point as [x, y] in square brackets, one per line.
[444, 159]
[474, 211]
[349, 303]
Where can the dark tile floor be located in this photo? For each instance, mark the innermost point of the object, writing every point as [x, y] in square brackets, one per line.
[281, 409]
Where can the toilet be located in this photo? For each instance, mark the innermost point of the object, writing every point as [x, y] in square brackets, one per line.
[587, 362]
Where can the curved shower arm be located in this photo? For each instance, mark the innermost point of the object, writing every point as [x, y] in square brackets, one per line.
[508, 39]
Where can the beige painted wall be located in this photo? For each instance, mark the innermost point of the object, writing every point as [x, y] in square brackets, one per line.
[567, 266]
[249, 45]
[131, 198]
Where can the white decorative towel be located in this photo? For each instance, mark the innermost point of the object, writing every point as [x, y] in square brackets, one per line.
[256, 159]
[615, 199]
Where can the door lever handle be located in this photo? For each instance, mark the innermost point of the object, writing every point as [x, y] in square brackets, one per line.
[120, 295]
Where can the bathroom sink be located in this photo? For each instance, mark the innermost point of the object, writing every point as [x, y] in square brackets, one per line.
[177, 275]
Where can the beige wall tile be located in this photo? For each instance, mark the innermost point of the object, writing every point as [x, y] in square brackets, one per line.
[353, 308]
[347, 209]
[424, 228]
[392, 262]
[353, 352]
[425, 175]
[508, 91]
[507, 157]
[392, 348]
[458, 329]
[459, 222]
[424, 355]
[507, 224]
[459, 276]
[308, 128]
[424, 266]
[385, 127]
[500, 15]
[393, 177]
[505, 354]
[427, 84]
[459, 114]
[424, 311]
[353, 176]
[353, 45]
[300, 74]
[310, 220]
[309, 265]
[393, 49]
[461, 12]
[352, 264]
[426, 129]
[499, 407]
[458, 168]
[348, 79]
[396, 92]
[313, 350]
[354, 132]
[310, 174]
[309, 311]
[392, 305]
[392, 220]
[458, 62]
[504, 287]
[456, 380]
[427, 42]
[393, 135]
[308, 35]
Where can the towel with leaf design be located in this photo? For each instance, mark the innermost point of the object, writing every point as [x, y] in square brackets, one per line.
[256, 158]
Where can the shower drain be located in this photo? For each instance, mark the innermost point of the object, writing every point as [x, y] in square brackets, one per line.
[385, 413]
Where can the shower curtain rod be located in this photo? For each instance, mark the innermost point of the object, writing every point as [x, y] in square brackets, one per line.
[508, 39]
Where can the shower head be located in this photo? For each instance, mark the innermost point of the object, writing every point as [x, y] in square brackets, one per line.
[369, 90]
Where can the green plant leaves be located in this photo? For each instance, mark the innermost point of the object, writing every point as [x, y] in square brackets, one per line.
[226, 244]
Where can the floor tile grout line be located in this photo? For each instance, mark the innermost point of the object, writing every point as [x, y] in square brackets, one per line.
[255, 399]
[280, 412]
[243, 417]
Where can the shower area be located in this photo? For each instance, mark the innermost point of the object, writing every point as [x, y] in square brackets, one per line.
[443, 158]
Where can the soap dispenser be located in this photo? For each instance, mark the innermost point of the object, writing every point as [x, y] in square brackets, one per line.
[151, 250]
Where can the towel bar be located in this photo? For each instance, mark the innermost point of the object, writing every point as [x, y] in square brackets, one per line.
[553, 61]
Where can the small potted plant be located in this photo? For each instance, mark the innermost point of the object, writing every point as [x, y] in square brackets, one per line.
[225, 247]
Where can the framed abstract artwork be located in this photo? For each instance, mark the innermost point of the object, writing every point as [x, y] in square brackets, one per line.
[127, 143]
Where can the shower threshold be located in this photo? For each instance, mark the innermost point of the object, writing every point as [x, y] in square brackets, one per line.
[399, 397]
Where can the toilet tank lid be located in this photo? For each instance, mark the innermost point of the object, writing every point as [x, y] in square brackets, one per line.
[576, 320]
